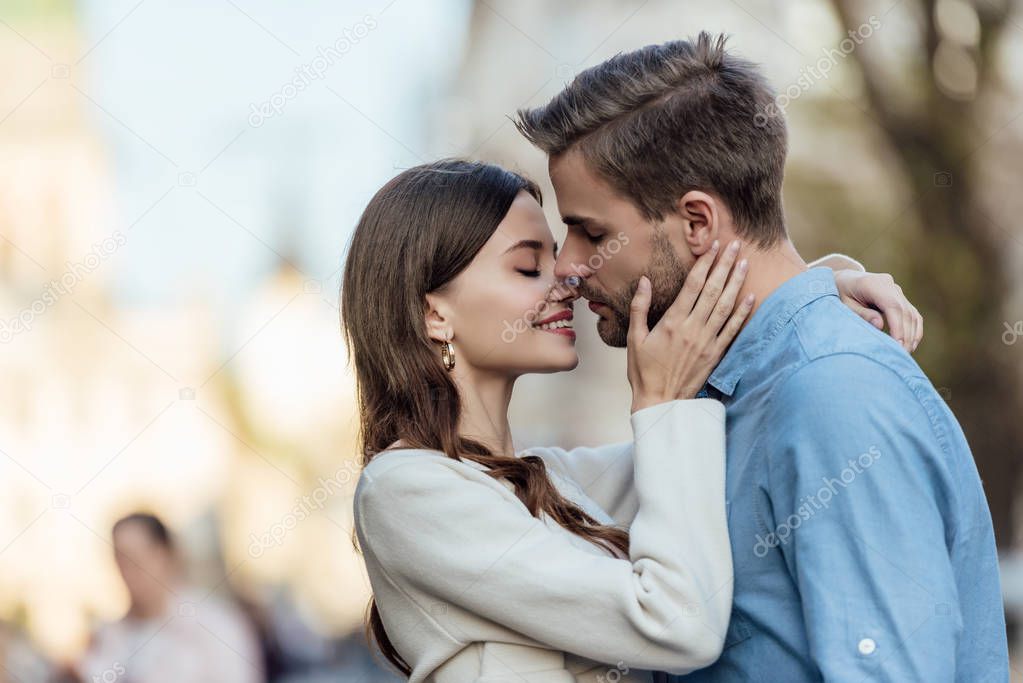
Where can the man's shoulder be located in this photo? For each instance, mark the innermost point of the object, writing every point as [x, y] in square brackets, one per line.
[835, 340]
[833, 357]
[844, 367]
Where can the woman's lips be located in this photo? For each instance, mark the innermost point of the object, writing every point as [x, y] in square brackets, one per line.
[564, 331]
[564, 316]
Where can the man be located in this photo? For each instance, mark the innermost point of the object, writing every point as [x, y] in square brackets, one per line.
[862, 542]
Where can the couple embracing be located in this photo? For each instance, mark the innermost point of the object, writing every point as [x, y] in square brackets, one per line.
[797, 503]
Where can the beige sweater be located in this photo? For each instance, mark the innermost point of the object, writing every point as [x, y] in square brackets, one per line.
[471, 587]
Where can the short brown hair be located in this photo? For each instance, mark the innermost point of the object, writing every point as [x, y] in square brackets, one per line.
[666, 119]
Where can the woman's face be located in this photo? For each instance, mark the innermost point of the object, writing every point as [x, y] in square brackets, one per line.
[498, 307]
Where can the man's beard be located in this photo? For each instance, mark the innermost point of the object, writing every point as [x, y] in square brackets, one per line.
[667, 274]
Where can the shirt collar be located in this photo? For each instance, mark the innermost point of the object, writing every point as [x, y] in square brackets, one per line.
[770, 317]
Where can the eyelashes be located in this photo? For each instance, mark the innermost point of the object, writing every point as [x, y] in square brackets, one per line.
[529, 273]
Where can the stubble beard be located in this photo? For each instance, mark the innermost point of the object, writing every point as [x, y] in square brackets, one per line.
[667, 274]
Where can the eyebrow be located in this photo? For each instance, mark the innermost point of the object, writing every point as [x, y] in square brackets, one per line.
[531, 244]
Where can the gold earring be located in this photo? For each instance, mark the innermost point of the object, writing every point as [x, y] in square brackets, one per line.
[447, 355]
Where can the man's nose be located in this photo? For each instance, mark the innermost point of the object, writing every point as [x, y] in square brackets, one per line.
[565, 291]
[566, 267]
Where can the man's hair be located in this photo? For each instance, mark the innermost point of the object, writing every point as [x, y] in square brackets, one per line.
[666, 119]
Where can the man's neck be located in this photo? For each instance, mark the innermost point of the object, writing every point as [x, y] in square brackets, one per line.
[768, 270]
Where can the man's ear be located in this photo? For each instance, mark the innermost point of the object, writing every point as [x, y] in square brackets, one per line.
[702, 215]
[438, 324]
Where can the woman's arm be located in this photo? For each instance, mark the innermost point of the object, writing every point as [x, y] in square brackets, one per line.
[604, 473]
[446, 538]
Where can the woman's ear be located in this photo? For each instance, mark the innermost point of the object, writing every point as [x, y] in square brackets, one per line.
[438, 325]
[702, 220]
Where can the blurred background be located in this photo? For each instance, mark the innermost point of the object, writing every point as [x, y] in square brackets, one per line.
[178, 182]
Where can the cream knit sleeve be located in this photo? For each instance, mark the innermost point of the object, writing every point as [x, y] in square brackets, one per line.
[447, 538]
[604, 473]
[837, 262]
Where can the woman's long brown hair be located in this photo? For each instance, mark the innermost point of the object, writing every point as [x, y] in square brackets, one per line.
[416, 235]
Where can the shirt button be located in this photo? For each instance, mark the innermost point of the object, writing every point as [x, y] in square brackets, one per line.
[867, 646]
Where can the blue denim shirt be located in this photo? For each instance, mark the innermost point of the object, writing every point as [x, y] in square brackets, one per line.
[862, 541]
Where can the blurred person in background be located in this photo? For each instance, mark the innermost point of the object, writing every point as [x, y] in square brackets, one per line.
[18, 653]
[173, 632]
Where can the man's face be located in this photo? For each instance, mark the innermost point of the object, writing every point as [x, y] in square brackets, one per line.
[610, 244]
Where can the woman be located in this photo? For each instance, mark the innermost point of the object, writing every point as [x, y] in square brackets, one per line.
[494, 566]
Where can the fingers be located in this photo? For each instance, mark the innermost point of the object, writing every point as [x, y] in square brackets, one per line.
[919, 328]
[715, 285]
[907, 330]
[726, 304]
[735, 323]
[869, 314]
[903, 330]
[914, 328]
[638, 311]
[686, 298]
[905, 324]
[896, 323]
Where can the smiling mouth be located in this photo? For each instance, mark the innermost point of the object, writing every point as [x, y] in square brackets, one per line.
[560, 323]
